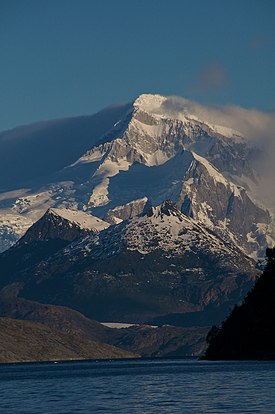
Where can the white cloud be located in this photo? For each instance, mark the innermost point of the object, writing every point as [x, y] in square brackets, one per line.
[257, 126]
[250, 122]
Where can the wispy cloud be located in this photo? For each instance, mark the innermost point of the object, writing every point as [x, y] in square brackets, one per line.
[212, 77]
[257, 126]
[252, 123]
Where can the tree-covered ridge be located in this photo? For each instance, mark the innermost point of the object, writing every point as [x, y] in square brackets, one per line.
[249, 331]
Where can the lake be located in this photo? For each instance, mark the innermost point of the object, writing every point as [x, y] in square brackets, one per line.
[138, 386]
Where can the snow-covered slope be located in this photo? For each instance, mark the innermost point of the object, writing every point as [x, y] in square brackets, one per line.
[154, 153]
[126, 211]
[63, 224]
[80, 218]
[33, 153]
[164, 228]
[159, 262]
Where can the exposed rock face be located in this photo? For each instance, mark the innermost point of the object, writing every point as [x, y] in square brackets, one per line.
[63, 224]
[222, 206]
[126, 211]
[52, 232]
[161, 262]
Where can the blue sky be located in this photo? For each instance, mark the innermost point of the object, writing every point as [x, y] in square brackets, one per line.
[72, 57]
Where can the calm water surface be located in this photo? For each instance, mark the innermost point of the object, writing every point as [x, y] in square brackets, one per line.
[141, 386]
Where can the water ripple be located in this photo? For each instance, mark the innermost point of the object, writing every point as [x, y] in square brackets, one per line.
[138, 387]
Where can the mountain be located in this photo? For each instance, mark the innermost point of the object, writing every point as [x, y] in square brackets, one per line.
[144, 340]
[147, 214]
[31, 154]
[26, 341]
[63, 224]
[159, 262]
[162, 342]
[248, 333]
[125, 155]
[53, 231]
[31, 158]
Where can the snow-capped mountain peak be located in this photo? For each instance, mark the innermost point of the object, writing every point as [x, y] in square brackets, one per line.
[150, 265]
[64, 224]
[149, 102]
[157, 149]
[169, 108]
[80, 218]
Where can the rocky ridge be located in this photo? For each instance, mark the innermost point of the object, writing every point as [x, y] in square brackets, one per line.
[155, 153]
[63, 224]
[159, 262]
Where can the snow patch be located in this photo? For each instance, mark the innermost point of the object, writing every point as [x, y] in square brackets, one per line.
[83, 220]
[106, 170]
[157, 158]
[117, 325]
[91, 156]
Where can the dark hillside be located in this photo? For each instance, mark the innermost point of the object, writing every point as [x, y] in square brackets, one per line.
[26, 341]
[249, 332]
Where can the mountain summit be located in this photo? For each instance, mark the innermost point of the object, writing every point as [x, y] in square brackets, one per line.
[152, 151]
[153, 220]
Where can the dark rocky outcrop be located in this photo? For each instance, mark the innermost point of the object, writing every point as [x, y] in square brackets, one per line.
[56, 229]
[127, 211]
[51, 226]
